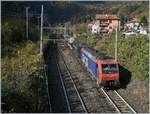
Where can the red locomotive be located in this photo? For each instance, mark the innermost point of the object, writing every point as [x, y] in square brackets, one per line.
[103, 68]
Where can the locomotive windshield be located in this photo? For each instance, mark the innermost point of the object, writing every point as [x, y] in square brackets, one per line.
[109, 68]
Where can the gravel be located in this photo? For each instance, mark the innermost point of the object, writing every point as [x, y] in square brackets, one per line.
[137, 95]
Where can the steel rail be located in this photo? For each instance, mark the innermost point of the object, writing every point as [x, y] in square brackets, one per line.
[81, 100]
[47, 89]
[114, 105]
[62, 82]
[116, 102]
[125, 102]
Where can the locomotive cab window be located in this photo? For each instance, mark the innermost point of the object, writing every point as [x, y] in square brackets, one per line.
[96, 65]
[109, 68]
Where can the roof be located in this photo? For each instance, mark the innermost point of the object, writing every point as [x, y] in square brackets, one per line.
[134, 20]
[106, 17]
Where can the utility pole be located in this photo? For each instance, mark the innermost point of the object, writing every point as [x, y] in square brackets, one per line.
[116, 43]
[41, 47]
[27, 30]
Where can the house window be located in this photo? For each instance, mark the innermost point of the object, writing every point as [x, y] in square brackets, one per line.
[110, 27]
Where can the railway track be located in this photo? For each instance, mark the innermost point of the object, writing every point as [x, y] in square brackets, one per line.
[95, 102]
[73, 98]
[118, 102]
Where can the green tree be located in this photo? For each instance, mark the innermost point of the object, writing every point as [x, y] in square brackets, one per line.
[144, 21]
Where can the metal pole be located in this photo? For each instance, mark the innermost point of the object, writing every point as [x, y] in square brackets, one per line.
[116, 43]
[27, 33]
[41, 47]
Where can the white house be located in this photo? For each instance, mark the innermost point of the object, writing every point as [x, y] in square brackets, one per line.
[95, 28]
[132, 25]
[143, 31]
[105, 23]
[126, 34]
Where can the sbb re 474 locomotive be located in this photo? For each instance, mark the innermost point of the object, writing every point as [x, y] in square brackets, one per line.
[105, 69]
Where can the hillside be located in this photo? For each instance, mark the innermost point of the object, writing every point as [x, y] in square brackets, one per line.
[59, 12]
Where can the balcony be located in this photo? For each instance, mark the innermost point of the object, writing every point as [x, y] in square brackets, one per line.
[104, 25]
[104, 31]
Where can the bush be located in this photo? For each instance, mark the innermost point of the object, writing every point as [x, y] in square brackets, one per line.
[133, 53]
[23, 81]
[14, 34]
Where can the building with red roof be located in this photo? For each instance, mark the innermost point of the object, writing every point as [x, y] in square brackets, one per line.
[105, 23]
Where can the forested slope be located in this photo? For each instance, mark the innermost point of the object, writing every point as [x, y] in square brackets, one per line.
[59, 12]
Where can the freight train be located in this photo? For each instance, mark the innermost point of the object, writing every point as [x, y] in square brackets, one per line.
[103, 68]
